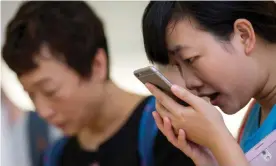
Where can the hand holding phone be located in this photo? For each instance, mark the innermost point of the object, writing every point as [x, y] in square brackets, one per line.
[152, 75]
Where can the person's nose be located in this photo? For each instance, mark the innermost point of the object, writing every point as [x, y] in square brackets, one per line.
[44, 109]
[193, 83]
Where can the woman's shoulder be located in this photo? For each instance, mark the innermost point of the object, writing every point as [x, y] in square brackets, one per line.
[245, 119]
[253, 132]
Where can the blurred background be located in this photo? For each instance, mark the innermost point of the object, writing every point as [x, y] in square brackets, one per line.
[122, 21]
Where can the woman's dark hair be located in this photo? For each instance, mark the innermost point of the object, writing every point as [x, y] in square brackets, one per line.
[69, 28]
[216, 17]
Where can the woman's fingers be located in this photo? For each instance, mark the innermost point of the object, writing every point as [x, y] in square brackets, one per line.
[164, 100]
[183, 144]
[193, 100]
[169, 131]
[163, 112]
[158, 121]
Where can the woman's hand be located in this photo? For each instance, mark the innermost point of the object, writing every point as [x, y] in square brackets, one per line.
[200, 155]
[202, 122]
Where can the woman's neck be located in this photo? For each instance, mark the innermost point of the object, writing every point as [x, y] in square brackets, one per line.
[266, 95]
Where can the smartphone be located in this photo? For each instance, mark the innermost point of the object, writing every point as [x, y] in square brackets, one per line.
[151, 75]
[264, 153]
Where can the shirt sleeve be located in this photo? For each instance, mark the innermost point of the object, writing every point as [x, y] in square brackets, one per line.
[165, 154]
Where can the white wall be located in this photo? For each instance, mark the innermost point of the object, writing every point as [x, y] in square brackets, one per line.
[123, 27]
[122, 21]
[8, 78]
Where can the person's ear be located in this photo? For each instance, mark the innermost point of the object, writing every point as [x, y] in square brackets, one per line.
[245, 31]
[100, 66]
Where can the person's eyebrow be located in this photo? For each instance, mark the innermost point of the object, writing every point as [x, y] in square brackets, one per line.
[35, 84]
[41, 82]
[176, 49]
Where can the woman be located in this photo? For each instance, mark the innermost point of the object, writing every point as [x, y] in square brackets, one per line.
[225, 51]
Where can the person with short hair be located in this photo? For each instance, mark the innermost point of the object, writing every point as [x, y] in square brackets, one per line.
[60, 54]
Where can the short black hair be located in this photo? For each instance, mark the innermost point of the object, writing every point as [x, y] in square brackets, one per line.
[69, 28]
[216, 17]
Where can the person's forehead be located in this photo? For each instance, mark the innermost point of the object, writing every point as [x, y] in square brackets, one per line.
[182, 32]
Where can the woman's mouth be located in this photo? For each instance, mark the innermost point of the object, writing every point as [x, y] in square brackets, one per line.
[214, 98]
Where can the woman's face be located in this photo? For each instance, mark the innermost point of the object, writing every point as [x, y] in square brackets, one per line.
[222, 71]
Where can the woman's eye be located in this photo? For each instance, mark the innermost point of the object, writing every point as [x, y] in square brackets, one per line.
[190, 60]
[177, 66]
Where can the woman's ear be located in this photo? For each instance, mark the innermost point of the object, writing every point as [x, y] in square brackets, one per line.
[244, 29]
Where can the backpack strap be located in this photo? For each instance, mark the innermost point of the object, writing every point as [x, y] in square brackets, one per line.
[53, 153]
[38, 134]
[147, 133]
